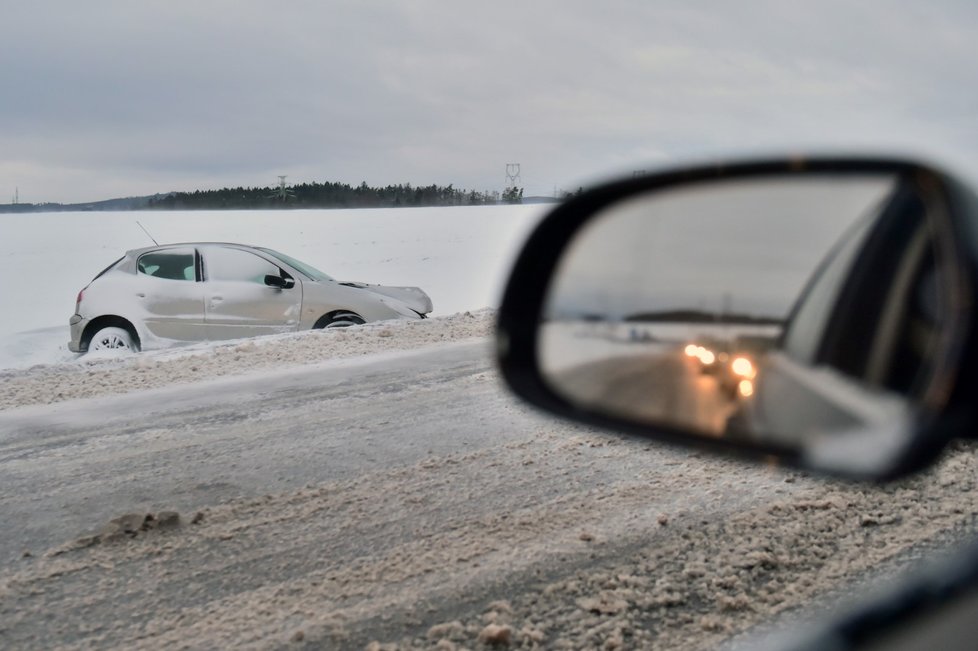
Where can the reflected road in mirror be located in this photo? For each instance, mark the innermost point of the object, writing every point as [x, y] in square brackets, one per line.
[624, 369]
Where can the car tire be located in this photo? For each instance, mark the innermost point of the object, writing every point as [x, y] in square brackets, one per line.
[341, 320]
[113, 338]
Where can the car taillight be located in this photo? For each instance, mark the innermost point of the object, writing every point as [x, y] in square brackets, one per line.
[81, 295]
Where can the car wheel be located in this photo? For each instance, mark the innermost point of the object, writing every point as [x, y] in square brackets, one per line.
[112, 339]
[341, 320]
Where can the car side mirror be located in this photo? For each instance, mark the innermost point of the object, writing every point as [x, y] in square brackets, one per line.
[814, 312]
[279, 282]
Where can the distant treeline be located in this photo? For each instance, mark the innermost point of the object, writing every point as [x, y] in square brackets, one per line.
[330, 195]
[304, 195]
[697, 316]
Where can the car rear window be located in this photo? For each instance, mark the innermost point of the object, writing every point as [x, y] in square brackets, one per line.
[173, 264]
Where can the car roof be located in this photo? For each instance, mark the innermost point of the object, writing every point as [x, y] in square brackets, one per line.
[160, 247]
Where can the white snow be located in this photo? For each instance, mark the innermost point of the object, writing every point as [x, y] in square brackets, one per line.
[460, 256]
[112, 374]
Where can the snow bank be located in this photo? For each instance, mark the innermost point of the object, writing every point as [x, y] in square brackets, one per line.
[105, 374]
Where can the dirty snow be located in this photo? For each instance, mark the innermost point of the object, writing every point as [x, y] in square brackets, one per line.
[89, 376]
[547, 536]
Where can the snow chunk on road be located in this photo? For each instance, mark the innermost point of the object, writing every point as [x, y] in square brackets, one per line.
[89, 377]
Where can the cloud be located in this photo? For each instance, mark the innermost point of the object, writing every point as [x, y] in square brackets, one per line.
[179, 95]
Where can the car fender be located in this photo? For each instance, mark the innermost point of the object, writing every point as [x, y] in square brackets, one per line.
[414, 298]
[320, 298]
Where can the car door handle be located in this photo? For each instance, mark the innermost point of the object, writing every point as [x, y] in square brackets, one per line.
[216, 299]
[140, 295]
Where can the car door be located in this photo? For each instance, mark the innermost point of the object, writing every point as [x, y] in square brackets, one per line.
[170, 294]
[238, 303]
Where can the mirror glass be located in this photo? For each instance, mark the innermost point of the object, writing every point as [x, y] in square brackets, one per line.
[787, 310]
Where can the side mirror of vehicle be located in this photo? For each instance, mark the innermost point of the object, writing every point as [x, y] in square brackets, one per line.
[817, 312]
[279, 282]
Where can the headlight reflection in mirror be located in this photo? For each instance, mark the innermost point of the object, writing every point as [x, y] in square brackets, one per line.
[763, 308]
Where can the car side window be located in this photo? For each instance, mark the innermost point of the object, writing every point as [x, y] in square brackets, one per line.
[853, 315]
[172, 264]
[804, 332]
[235, 265]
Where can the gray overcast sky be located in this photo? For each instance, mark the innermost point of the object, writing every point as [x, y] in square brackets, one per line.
[106, 99]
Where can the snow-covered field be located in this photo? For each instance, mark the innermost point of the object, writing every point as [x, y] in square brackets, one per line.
[460, 256]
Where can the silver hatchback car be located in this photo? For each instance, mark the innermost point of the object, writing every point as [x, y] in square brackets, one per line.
[206, 291]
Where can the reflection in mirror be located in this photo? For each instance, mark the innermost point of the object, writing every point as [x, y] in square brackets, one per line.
[773, 309]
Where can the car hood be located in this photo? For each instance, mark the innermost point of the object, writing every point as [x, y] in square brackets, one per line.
[413, 297]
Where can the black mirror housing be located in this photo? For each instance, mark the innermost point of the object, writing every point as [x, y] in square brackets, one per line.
[876, 392]
[279, 282]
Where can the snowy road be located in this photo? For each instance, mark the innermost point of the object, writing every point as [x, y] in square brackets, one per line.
[75, 465]
[406, 498]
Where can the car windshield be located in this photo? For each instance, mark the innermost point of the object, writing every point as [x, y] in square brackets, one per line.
[302, 267]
